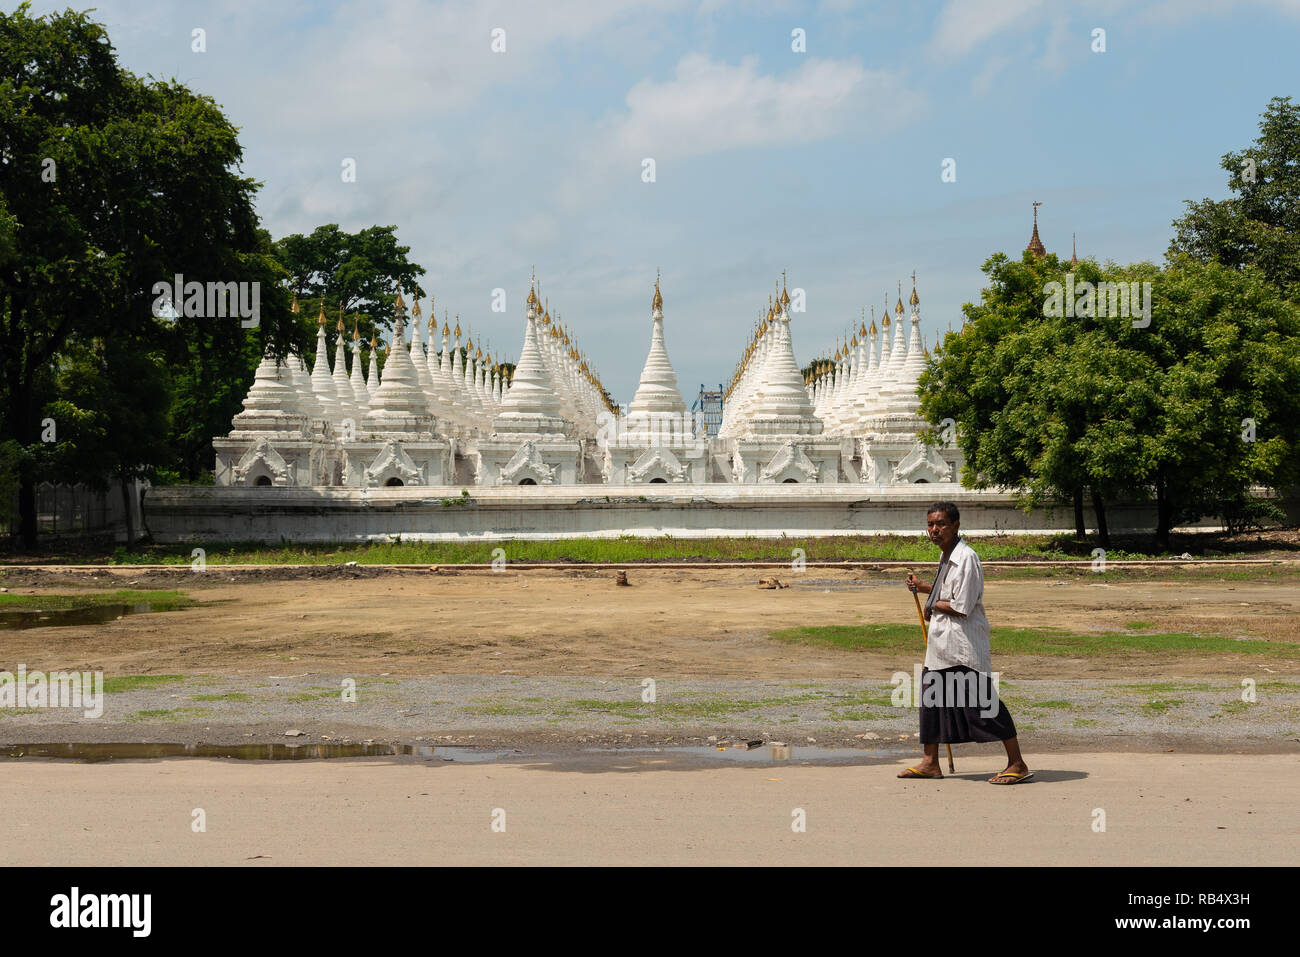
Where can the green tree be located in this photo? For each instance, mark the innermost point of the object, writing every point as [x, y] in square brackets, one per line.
[1260, 226]
[112, 415]
[357, 273]
[1192, 409]
[108, 185]
[1226, 346]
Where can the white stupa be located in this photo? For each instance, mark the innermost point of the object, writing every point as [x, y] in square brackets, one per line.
[654, 443]
[530, 442]
[270, 442]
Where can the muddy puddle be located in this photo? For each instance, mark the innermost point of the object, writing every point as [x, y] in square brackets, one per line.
[93, 753]
[764, 754]
[768, 753]
[54, 618]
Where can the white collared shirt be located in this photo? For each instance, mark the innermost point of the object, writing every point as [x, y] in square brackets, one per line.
[955, 640]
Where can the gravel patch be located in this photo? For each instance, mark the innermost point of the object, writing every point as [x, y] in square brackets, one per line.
[1206, 714]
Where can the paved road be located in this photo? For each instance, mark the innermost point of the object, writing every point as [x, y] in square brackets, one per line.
[1163, 809]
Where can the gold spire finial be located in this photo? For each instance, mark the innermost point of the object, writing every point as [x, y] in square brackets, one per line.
[456, 331]
[785, 295]
[1035, 244]
[294, 307]
[658, 301]
[415, 309]
[399, 303]
[356, 330]
[321, 320]
[899, 308]
[338, 326]
[915, 300]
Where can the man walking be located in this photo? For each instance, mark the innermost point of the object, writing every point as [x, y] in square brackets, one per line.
[957, 657]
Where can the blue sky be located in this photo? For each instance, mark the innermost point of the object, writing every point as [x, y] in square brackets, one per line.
[824, 163]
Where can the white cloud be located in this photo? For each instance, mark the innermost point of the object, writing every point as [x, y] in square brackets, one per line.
[983, 81]
[965, 24]
[710, 107]
[1181, 11]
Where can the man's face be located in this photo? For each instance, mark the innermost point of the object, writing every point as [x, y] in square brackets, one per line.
[942, 532]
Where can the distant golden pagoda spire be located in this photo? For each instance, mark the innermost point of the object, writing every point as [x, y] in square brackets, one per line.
[898, 310]
[321, 320]
[785, 295]
[1035, 244]
[658, 301]
[914, 300]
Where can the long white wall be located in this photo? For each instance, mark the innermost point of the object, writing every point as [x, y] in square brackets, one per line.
[331, 514]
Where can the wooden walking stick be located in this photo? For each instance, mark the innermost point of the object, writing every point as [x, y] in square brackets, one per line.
[925, 635]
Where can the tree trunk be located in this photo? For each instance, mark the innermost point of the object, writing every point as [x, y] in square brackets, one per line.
[25, 431]
[126, 504]
[146, 536]
[27, 507]
[1099, 506]
[1080, 530]
[1162, 514]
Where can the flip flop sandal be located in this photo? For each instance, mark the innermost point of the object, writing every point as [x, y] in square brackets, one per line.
[1012, 776]
[914, 773]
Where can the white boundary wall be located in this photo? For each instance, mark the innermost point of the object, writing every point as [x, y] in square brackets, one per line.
[333, 514]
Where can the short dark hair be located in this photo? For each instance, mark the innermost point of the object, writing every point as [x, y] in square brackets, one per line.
[948, 508]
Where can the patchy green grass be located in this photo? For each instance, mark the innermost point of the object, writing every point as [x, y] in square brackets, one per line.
[883, 699]
[1231, 707]
[497, 710]
[1139, 625]
[1085, 722]
[228, 696]
[169, 714]
[121, 683]
[7, 712]
[1036, 641]
[630, 548]
[165, 600]
[858, 716]
[1161, 687]
[1054, 703]
[315, 695]
[1161, 705]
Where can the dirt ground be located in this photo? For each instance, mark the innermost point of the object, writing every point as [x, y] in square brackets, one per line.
[671, 622]
[1158, 809]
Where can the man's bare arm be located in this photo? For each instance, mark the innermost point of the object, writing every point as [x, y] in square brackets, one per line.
[947, 609]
